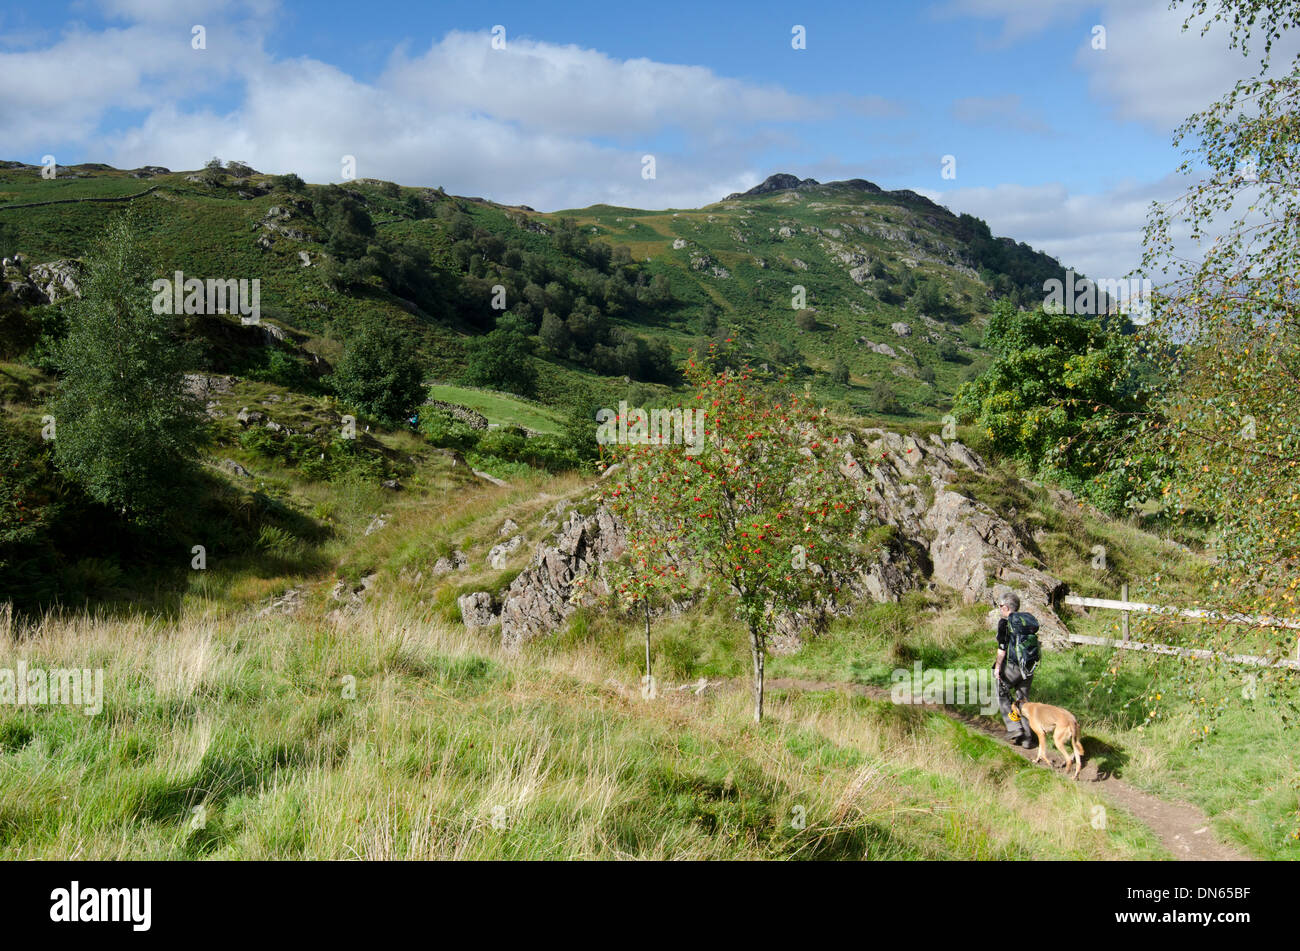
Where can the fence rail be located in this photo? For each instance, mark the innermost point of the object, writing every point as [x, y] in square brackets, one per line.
[1174, 610]
[1126, 606]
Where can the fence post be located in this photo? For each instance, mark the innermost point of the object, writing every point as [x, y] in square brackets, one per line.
[1123, 596]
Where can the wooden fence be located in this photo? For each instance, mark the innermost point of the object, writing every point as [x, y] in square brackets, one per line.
[1128, 607]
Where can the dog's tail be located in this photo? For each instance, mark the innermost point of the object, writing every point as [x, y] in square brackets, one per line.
[1075, 740]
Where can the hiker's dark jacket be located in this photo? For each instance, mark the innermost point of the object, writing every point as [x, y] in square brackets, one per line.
[1014, 683]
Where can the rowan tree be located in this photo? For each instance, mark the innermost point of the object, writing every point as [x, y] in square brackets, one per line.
[758, 503]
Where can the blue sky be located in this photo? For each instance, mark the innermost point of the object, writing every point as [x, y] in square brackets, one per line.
[1056, 142]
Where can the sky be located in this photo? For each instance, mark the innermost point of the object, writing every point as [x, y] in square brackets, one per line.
[1050, 119]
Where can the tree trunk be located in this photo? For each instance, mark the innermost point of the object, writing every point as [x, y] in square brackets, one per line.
[756, 648]
[647, 641]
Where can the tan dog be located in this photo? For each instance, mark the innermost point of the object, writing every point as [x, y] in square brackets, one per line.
[1042, 717]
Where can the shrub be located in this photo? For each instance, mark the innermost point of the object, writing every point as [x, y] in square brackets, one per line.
[380, 373]
[446, 431]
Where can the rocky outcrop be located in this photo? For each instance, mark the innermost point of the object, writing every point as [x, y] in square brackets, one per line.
[476, 609]
[971, 548]
[456, 561]
[774, 183]
[884, 349]
[499, 554]
[977, 553]
[539, 600]
[45, 283]
[933, 536]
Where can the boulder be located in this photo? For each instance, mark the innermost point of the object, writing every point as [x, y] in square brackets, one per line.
[500, 553]
[476, 610]
[45, 283]
[539, 600]
[978, 553]
[456, 561]
[287, 603]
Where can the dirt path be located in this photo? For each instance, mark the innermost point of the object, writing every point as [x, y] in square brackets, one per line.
[1183, 828]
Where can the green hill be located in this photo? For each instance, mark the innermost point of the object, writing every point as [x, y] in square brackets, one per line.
[629, 291]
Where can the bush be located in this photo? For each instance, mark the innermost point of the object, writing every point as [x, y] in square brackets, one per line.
[380, 373]
[288, 182]
[883, 399]
[279, 367]
[503, 359]
[446, 431]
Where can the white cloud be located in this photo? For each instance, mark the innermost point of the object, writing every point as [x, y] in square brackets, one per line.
[1151, 71]
[1154, 72]
[305, 115]
[540, 123]
[1003, 112]
[575, 91]
[60, 94]
[1098, 234]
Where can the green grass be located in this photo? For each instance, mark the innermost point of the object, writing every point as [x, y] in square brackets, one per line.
[1172, 727]
[500, 408]
[227, 737]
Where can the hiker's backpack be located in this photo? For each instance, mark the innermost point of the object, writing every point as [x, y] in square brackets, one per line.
[1024, 649]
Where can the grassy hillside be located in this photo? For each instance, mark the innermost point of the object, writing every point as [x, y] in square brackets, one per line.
[866, 260]
[300, 721]
[249, 719]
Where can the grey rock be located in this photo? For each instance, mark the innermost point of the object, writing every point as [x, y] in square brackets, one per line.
[476, 610]
[456, 561]
[500, 553]
[287, 603]
[538, 601]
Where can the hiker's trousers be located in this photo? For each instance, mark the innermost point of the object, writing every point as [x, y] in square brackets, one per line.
[1013, 686]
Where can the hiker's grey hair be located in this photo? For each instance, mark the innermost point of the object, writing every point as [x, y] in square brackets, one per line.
[1011, 600]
